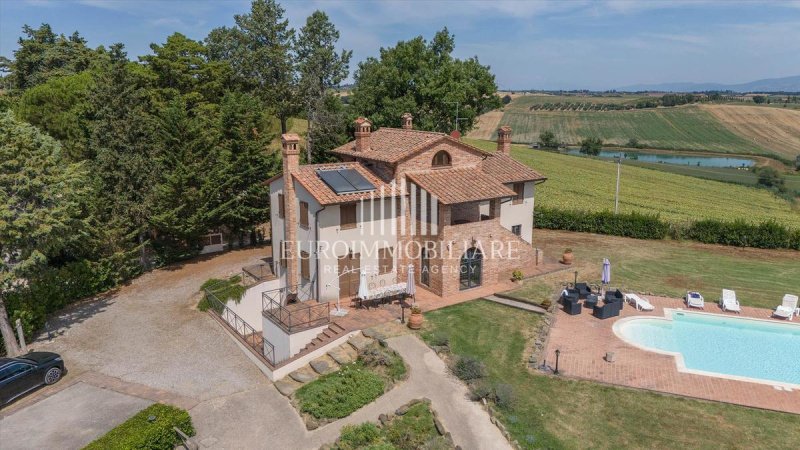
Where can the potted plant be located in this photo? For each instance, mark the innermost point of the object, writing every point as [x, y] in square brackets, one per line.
[415, 321]
[567, 257]
[516, 275]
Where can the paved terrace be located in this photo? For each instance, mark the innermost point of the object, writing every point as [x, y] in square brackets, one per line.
[584, 341]
[363, 318]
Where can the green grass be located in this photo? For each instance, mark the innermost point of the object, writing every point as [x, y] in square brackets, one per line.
[340, 393]
[576, 182]
[533, 291]
[725, 174]
[139, 432]
[559, 413]
[759, 277]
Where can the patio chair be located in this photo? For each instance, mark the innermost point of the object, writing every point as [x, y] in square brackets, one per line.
[569, 294]
[606, 311]
[572, 306]
[695, 300]
[591, 301]
[583, 290]
[615, 295]
[728, 301]
[640, 303]
[787, 309]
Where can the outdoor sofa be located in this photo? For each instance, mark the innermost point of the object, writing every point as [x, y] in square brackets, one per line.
[610, 309]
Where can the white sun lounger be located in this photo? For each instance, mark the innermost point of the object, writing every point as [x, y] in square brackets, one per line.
[728, 301]
[787, 308]
[640, 303]
[695, 300]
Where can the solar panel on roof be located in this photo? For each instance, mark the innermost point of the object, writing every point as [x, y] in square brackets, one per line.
[345, 181]
[356, 179]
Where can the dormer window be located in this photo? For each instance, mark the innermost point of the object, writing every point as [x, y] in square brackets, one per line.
[441, 159]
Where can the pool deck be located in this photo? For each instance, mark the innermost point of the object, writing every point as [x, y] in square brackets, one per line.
[584, 340]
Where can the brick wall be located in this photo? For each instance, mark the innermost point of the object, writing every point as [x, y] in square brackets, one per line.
[459, 156]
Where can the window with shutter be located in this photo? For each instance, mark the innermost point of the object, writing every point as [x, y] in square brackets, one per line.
[304, 214]
[281, 206]
[385, 260]
[519, 188]
[347, 216]
[305, 267]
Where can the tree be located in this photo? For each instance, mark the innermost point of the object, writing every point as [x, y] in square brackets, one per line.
[59, 107]
[547, 139]
[43, 55]
[423, 78]
[591, 146]
[506, 99]
[258, 49]
[330, 130]
[759, 99]
[320, 68]
[770, 178]
[634, 143]
[39, 207]
[124, 144]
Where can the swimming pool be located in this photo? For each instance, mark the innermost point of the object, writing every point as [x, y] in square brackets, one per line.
[754, 350]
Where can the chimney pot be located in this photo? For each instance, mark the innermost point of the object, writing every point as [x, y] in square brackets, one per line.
[290, 152]
[363, 129]
[408, 121]
[504, 140]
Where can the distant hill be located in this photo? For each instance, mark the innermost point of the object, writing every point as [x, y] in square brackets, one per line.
[785, 84]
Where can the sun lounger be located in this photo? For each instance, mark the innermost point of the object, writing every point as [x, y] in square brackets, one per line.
[787, 308]
[728, 301]
[640, 303]
[695, 300]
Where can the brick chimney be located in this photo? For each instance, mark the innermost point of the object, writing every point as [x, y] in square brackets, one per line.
[291, 163]
[408, 121]
[363, 128]
[504, 140]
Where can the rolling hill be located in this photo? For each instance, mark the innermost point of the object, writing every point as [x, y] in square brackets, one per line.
[784, 84]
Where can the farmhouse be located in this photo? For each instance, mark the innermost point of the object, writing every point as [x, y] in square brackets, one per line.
[399, 200]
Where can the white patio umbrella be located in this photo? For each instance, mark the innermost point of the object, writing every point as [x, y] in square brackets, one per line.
[411, 289]
[363, 289]
[605, 277]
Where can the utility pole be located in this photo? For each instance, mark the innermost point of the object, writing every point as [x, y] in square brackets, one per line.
[457, 118]
[616, 196]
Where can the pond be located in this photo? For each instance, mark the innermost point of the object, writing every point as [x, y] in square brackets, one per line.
[676, 159]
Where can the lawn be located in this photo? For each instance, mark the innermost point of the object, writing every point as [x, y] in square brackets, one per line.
[559, 413]
[576, 182]
[759, 277]
[413, 430]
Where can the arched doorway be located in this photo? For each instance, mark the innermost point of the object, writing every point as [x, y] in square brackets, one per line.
[471, 268]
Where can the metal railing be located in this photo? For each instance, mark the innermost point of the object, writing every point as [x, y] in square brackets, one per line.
[254, 339]
[258, 273]
[298, 316]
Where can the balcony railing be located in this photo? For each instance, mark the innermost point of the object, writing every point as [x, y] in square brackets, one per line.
[278, 307]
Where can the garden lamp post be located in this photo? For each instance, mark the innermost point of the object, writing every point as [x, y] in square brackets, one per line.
[558, 352]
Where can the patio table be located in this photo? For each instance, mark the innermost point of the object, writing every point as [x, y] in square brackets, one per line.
[383, 292]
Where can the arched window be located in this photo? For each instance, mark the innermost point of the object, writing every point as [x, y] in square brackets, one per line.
[441, 159]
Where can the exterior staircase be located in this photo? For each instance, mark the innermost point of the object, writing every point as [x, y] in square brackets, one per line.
[333, 332]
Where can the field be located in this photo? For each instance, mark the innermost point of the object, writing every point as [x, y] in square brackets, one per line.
[669, 268]
[552, 412]
[774, 128]
[726, 174]
[721, 128]
[576, 182]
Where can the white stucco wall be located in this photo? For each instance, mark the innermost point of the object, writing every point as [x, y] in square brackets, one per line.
[249, 307]
[377, 228]
[520, 214]
[277, 232]
[306, 237]
[287, 345]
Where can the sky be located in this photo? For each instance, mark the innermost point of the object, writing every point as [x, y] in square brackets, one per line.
[576, 44]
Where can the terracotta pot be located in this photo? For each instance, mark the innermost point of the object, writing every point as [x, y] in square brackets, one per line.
[415, 321]
[567, 258]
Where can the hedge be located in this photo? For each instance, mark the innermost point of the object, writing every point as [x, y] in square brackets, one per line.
[139, 433]
[769, 234]
[633, 225]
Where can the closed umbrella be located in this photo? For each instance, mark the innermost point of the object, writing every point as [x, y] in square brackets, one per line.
[605, 277]
[363, 289]
[410, 288]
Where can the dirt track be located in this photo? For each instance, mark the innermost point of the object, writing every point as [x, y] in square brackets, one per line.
[776, 129]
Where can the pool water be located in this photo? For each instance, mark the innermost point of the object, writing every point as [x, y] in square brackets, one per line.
[675, 159]
[766, 351]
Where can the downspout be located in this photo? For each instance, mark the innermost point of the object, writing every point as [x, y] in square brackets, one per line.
[316, 262]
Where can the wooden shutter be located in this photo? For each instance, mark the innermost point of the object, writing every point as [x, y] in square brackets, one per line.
[281, 206]
[519, 188]
[304, 214]
[305, 268]
[385, 260]
[347, 216]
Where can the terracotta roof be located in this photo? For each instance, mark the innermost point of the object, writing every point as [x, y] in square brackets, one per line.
[307, 176]
[460, 185]
[505, 169]
[391, 144]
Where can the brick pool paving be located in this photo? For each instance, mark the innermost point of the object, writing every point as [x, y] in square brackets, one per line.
[584, 340]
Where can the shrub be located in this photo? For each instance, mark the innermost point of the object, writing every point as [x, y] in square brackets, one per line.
[411, 430]
[516, 275]
[546, 303]
[468, 368]
[339, 394]
[359, 436]
[481, 390]
[768, 234]
[591, 146]
[377, 356]
[504, 396]
[634, 225]
[139, 433]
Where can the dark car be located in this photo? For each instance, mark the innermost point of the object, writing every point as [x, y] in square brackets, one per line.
[25, 373]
